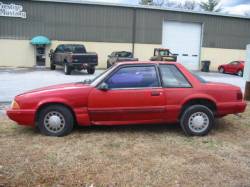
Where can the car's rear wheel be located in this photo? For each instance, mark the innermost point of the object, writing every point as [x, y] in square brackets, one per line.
[52, 66]
[240, 73]
[221, 70]
[55, 120]
[108, 64]
[67, 69]
[197, 120]
[91, 70]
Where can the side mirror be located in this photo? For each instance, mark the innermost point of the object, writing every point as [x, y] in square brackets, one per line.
[103, 87]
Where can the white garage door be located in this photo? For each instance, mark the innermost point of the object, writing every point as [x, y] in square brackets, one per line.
[183, 39]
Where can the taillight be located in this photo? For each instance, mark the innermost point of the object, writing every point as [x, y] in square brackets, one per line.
[239, 95]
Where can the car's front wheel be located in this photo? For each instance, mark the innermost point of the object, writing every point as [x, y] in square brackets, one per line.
[67, 69]
[52, 66]
[240, 73]
[197, 120]
[108, 64]
[55, 120]
[221, 70]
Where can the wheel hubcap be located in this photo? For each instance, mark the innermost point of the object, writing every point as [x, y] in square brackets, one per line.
[198, 122]
[54, 122]
[240, 73]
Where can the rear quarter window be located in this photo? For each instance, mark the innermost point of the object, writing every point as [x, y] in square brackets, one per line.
[173, 78]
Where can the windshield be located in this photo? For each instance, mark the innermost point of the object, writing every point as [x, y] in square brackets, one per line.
[100, 77]
[164, 52]
[124, 54]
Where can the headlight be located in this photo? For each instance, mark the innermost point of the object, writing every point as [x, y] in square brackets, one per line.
[15, 105]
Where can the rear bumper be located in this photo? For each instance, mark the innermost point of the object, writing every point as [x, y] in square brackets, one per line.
[22, 117]
[83, 64]
[231, 108]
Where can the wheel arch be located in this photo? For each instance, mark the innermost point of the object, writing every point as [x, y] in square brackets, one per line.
[46, 104]
[210, 103]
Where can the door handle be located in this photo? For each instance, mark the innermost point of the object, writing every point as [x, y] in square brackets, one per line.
[155, 93]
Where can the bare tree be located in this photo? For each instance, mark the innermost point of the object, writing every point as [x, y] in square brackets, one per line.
[146, 2]
[210, 5]
[247, 14]
[187, 4]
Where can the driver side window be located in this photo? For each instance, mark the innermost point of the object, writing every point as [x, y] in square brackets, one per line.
[234, 63]
[134, 77]
[59, 49]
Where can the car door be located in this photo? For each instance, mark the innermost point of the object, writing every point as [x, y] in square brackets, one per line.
[58, 54]
[176, 87]
[230, 68]
[134, 96]
[236, 66]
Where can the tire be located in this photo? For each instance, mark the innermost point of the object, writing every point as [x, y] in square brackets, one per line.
[240, 73]
[67, 69]
[52, 66]
[197, 120]
[108, 64]
[55, 120]
[221, 70]
[91, 70]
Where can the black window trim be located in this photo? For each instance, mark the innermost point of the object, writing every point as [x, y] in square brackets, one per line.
[162, 84]
[133, 65]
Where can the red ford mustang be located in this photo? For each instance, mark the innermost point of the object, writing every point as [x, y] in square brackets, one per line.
[235, 67]
[129, 93]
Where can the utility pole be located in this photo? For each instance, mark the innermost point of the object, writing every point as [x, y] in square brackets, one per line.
[246, 75]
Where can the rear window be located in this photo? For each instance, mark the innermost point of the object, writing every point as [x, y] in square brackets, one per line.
[124, 54]
[75, 48]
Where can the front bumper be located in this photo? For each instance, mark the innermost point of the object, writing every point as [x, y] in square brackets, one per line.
[22, 117]
[231, 108]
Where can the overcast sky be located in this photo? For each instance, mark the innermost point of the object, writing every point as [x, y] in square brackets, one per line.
[231, 6]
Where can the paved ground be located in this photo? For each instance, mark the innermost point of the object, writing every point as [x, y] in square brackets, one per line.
[15, 81]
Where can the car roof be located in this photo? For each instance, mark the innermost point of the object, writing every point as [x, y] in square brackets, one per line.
[161, 48]
[146, 62]
[121, 52]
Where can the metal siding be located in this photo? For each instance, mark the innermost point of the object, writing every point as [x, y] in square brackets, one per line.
[60, 21]
[98, 23]
[218, 32]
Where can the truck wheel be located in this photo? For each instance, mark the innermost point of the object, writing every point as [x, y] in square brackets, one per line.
[91, 70]
[55, 120]
[108, 64]
[52, 66]
[67, 69]
[197, 120]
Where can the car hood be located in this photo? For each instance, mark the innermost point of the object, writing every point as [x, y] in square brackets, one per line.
[57, 88]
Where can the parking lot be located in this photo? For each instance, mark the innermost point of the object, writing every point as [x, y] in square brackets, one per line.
[16, 81]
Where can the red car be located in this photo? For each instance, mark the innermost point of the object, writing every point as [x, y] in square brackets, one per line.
[235, 67]
[129, 93]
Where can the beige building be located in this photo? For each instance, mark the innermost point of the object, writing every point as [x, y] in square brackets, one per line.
[104, 28]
